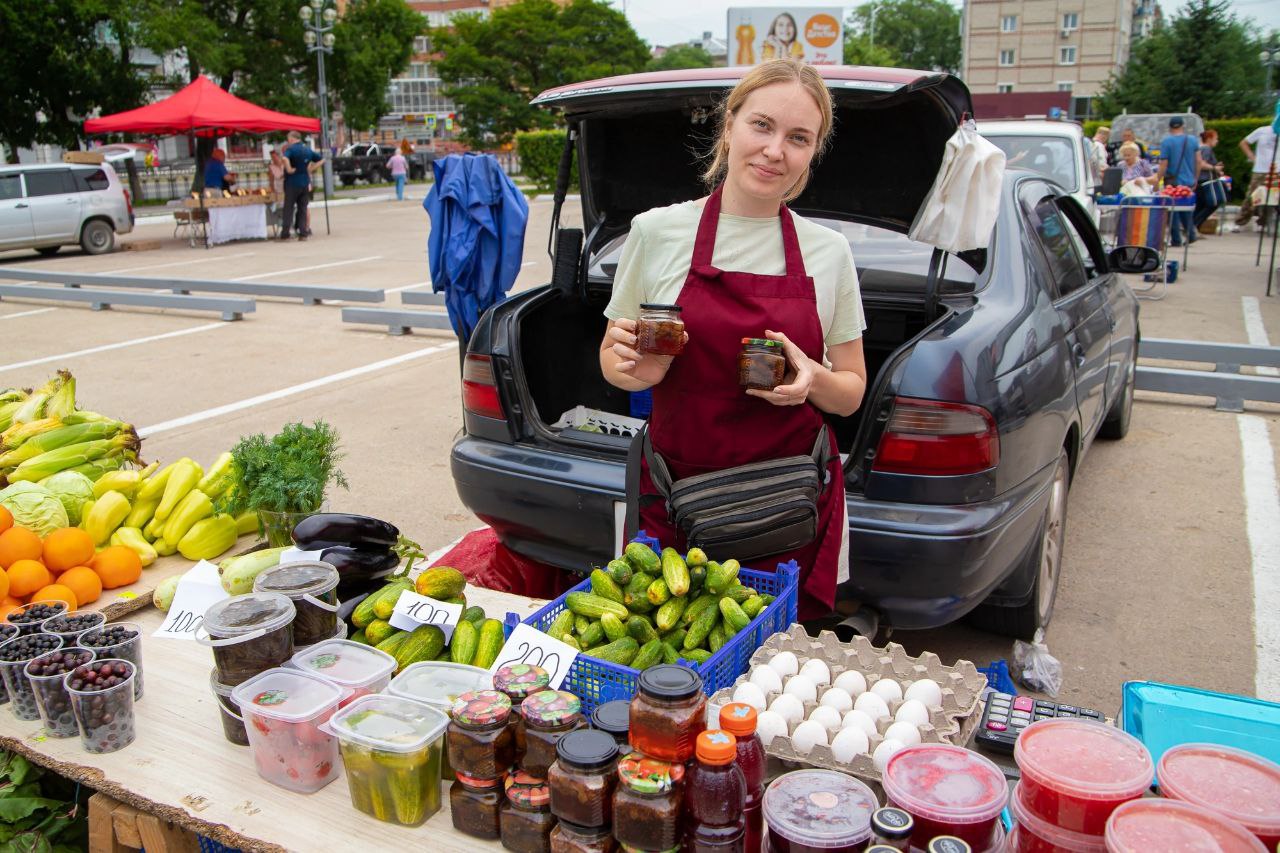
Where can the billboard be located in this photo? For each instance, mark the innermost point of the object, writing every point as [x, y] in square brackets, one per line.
[812, 33]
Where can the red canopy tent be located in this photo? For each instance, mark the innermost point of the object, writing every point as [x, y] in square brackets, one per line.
[203, 109]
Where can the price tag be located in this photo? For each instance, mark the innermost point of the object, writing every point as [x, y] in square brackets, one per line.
[413, 610]
[294, 555]
[529, 645]
[198, 590]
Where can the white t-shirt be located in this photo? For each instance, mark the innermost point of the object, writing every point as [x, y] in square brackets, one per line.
[659, 250]
[1263, 141]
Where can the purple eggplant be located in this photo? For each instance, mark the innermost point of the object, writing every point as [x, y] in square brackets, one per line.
[337, 529]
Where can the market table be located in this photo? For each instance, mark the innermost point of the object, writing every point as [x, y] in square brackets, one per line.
[234, 218]
[181, 768]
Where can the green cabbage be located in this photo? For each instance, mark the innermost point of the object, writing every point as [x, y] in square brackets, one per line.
[34, 507]
[73, 489]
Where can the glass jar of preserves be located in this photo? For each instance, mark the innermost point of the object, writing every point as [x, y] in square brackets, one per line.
[646, 806]
[548, 716]
[570, 838]
[526, 815]
[475, 805]
[761, 364]
[668, 712]
[479, 743]
[615, 719]
[583, 778]
[892, 828]
[660, 331]
[518, 681]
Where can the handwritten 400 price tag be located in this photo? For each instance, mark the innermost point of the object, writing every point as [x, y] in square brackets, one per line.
[529, 645]
[413, 611]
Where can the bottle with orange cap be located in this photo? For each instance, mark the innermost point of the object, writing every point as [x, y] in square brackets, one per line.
[739, 720]
[715, 794]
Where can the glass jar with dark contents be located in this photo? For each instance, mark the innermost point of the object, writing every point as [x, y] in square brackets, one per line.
[583, 778]
[892, 827]
[761, 364]
[614, 718]
[548, 716]
[660, 331]
[250, 634]
[570, 838]
[480, 744]
[646, 806]
[475, 805]
[526, 819]
[668, 712]
[312, 586]
[519, 681]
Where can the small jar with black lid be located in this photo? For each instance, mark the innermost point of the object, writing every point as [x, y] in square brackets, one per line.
[583, 778]
[948, 844]
[668, 712]
[892, 827]
[614, 718]
[548, 716]
[526, 819]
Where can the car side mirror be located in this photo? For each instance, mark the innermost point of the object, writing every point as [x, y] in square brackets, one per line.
[1135, 259]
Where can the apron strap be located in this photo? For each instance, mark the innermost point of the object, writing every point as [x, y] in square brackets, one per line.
[791, 244]
[704, 244]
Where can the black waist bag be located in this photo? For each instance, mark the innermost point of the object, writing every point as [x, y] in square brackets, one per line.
[750, 511]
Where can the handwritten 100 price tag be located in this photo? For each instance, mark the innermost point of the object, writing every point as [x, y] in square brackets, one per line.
[413, 610]
[529, 645]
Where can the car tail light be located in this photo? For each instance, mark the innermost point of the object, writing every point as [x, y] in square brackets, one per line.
[479, 389]
[937, 438]
[128, 203]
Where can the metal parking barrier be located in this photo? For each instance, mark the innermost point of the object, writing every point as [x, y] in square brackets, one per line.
[398, 322]
[229, 307]
[310, 294]
[422, 297]
[1225, 383]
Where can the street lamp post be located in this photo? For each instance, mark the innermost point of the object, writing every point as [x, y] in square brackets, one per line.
[1269, 57]
[317, 21]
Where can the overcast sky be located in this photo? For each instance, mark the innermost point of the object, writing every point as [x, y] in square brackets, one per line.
[668, 21]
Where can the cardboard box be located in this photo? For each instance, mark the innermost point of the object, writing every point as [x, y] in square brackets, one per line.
[91, 158]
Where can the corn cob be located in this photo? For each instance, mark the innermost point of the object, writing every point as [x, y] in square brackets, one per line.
[83, 416]
[105, 516]
[37, 402]
[60, 436]
[39, 467]
[19, 433]
[63, 400]
[6, 413]
[111, 462]
[186, 473]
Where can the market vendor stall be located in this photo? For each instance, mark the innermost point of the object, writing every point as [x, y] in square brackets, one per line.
[238, 217]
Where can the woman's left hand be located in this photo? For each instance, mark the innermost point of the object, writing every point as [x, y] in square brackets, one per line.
[799, 378]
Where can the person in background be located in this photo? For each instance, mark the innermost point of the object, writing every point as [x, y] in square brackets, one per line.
[1135, 168]
[1126, 135]
[276, 171]
[399, 168]
[216, 176]
[297, 185]
[1262, 158]
[1180, 166]
[1211, 170]
[1100, 159]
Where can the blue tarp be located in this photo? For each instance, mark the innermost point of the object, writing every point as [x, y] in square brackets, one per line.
[476, 243]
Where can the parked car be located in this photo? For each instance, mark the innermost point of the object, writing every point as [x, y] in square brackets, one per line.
[48, 206]
[1056, 149]
[989, 374]
[368, 162]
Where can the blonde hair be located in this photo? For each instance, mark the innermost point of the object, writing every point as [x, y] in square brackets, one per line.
[766, 74]
[1126, 147]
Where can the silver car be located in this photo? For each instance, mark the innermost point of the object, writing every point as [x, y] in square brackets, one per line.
[48, 206]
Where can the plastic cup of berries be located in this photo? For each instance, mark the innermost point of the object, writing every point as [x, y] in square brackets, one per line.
[29, 617]
[121, 640]
[47, 676]
[69, 626]
[7, 633]
[14, 655]
[101, 694]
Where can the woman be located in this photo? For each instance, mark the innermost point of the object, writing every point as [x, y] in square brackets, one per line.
[1206, 200]
[1137, 169]
[741, 265]
[781, 42]
[276, 170]
[399, 171]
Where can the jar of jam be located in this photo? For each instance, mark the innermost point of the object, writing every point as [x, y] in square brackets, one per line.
[570, 838]
[518, 681]
[646, 806]
[548, 716]
[892, 827]
[480, 744]
[526, 818]
[668, 712]
[761, 364]
[583, 778]
[660, 331]
[475, 806]
[817, 811]
[614, 718]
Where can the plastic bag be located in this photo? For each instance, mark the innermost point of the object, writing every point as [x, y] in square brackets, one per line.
[1035, 668]
[961, 208]
[1132, 188]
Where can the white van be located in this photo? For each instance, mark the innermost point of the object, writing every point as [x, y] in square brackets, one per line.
[1057, 150]
[48, 206]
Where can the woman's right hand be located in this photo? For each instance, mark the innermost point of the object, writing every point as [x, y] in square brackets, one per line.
[647, 368]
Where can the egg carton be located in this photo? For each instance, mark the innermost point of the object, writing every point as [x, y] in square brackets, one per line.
[954, 722]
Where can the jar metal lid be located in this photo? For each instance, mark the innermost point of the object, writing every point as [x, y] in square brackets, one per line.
[528, 791]
[761, 342]
[612, 717]
[481, 708]
[587, 749]
[649, 775]
[889, 822]
[584, 831]
[949, 844]
[658, 306]
[473, 782]
[548, 708]
[518, 680]
[670, 681]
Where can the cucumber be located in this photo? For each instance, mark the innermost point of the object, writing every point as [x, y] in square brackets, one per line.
[642, 558]
[700, 630]
[650, 653]
[675, 572]
[668, 615]
[619, 571]
[634, 596]
[733, 616]
[593, 606]
[563, 623]
[698, 605]
[593, 636]
[752, 606]
[604, 586]
[695, 557]
[466, 639]
[474, 615]
[669, 653]
[657, 593]
[697, 579]
[696, 655]
[619, 651]
[489, 643]
[740, 593]
[721, 575]
[676, 637]
[716, 639]
[580, 624]
[613, 627]
[641, 629]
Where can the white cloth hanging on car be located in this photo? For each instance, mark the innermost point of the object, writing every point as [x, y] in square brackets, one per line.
[961, 208]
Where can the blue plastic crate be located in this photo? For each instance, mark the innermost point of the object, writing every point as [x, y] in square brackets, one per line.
[1166, 715]
[208, 845]
[641, 403]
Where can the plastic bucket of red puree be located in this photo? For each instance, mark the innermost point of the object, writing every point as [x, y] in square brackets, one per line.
[1075, 773]
[948, 790]
[1036, 835]
[1243, 786]
[1143, 826]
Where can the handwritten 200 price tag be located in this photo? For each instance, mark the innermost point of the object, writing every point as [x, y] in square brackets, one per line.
[413, 610]
[529, 645]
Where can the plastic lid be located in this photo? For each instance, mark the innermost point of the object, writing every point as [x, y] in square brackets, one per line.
[613, 717]
[587, 749]
[819, 808]
[761, 342]
[738, 719]
[473, 782]
[1058, 839]
[658, 306]
[1243, 786]
[550, 708]
[518, 680]
[1143, 825]
[389, 723]
[527, 791]
[353, 665]
[716, 747]
[289, 695]
[948, 844]
[218, 687]
[298, 578]
[649, 775]
[670, 681]
[1085, 760]
[479, 708]
[946, 783]
[438, 683]
[233, 617]
[892, 823]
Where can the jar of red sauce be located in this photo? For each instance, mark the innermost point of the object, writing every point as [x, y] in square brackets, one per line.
[817, 811]
[660, 331]
[668, 712]
[761, 364]
[1142, 826]
[518, 681]
[947, 790]
[1036, 835]
[1243, 786]
[646, 804]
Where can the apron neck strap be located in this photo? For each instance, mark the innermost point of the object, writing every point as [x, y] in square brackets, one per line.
[705, 243]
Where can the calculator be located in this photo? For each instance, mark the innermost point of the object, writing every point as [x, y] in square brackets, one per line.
[1006, 716]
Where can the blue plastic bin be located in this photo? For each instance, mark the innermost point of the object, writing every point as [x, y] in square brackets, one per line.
[1166, 715]
[642, 403]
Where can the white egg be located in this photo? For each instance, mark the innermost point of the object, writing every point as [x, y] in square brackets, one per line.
[852, 682]
[802, 687]
[927, 691]
[912, 711]
[807, 735]
[904, 732]
[751, 694]
[816, 671]
[834, 697]
[861, 721]
[873, 705]
[769, 725]
[789, 708]
[849, 744]
[829, 717]
[885, 751]
[767, 679]
[888, 690]
[785, 663]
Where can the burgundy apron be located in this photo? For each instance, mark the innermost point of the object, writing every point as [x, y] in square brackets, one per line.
[703, 421]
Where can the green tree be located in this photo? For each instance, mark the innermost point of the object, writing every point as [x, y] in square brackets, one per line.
[681, 56]
[858, 50]
[1204, 59]
[373, 42]
[921, 34]
[492, 67]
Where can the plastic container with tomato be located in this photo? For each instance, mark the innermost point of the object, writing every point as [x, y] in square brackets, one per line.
[948, 790]
[1238, 784]
[1149, 825]
[283, 710]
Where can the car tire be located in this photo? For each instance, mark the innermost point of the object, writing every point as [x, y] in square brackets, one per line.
[1023, 620]
[48, 251]
[375, 176]
[97, 237]
[346, 180]
[1116, 425]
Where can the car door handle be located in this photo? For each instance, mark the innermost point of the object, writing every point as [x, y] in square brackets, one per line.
[20, 206]
[1077, 353]
[71, 201]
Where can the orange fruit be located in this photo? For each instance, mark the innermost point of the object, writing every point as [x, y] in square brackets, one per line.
[67, 548]
[84, 582]
[6, 609]
[4, 586]
[6, 519]
[56, 592]
[19, 543]
[117, 566]
[9, 599]
[27, 576]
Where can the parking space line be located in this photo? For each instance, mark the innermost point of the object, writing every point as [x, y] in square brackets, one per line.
[407, 287]
[307, 269]
[1262, 517]
[26, 313]
[1256, 330]
[121, 345]
[240, 405]
[202, 259]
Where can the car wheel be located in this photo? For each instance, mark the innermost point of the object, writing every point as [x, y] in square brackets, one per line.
[1023, 620]
[375, 177]
[1116, 426]
[347, 180]
[48, 251]
[97, 238]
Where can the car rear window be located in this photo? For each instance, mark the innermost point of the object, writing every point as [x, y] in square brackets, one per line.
[89, 181]
[1051, 156]
[10, 187]
[49, 182]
